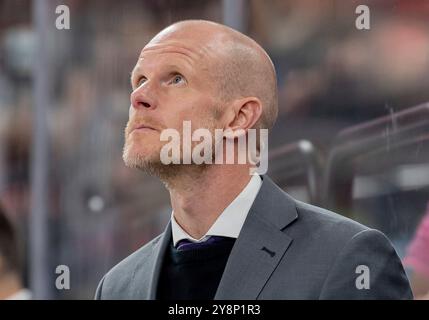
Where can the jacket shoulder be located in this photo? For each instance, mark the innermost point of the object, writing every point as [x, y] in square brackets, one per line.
[119, 278]
[335, 246]
[326, 222]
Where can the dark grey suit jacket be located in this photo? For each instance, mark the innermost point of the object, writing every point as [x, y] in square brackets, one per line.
[287, 249]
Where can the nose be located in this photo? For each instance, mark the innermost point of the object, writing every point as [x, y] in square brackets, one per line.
[140, 99]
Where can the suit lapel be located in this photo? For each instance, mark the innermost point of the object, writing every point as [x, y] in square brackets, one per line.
[145, 280]
[260, 245]
[159, 254]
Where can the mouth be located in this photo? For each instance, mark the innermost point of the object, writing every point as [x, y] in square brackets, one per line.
[142, 128]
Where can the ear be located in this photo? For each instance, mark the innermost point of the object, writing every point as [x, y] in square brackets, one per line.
[246, 112]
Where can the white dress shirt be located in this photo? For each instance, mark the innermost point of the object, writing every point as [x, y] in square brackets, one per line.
[230, 221]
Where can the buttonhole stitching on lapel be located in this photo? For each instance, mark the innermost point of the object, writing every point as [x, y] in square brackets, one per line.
[271, 253]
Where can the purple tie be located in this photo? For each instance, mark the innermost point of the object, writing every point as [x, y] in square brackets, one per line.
[186, 244]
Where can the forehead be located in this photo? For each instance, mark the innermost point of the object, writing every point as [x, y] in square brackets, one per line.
[188, 53]
[191, 49]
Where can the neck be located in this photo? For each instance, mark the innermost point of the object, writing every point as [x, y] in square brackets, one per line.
[198, 196]
[9, 285]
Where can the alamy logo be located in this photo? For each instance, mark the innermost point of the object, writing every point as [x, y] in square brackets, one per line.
[62, 282]
[363, 280]
[248, 149]
[362, 21]
[63, 20]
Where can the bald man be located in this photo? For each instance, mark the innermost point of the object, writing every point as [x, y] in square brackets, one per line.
[233, 235]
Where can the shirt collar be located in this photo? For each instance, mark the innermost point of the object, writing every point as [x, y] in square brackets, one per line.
[230, 221]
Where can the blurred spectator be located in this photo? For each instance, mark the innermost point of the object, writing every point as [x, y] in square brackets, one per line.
[418, 259]
[11, 287]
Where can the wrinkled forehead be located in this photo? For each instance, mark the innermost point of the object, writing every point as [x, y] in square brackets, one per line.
[196, 43]
[172, 47]
[190, 53]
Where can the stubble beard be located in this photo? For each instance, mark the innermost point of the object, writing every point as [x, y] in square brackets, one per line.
[169, 174]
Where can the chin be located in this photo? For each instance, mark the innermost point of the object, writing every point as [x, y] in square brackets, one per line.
[136, 155]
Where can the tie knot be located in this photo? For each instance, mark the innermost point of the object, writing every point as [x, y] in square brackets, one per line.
[186, 244]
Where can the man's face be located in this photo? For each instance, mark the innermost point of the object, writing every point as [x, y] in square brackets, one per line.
[171, 83]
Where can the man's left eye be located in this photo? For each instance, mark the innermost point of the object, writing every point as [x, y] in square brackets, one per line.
[177, 79]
